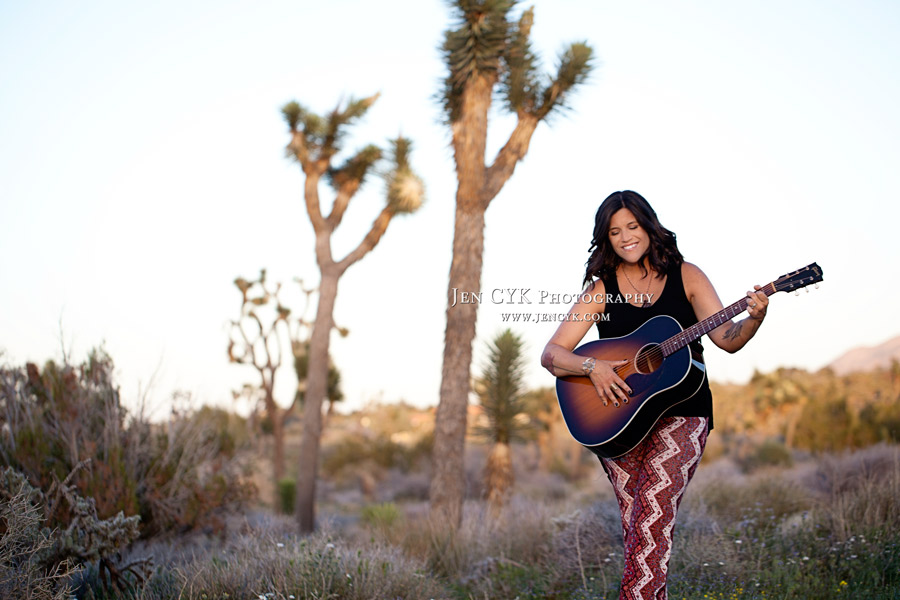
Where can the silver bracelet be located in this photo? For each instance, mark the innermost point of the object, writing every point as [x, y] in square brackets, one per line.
[588, 365]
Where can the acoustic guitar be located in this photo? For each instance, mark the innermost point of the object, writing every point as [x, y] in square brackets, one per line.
[661, 371]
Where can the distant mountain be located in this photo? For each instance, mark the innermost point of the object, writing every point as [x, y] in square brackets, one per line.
[867, 358]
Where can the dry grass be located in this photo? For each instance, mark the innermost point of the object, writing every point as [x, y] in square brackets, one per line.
[823, 528]
[859, 492]
[268, 560]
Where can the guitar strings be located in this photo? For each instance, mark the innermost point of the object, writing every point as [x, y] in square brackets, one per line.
[657, 352]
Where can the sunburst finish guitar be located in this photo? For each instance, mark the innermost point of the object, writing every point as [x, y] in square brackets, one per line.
[660, 371]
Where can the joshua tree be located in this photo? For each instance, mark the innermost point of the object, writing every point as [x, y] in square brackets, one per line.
[315, 142]
[501, 392]
[259, 345]
[484, 53]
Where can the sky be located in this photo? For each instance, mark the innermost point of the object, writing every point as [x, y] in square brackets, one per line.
[142, 170]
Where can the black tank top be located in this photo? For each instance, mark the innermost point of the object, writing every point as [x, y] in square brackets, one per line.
[625, 318]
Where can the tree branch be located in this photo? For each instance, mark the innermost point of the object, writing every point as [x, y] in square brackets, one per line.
[299, 148]
[512, 152]
[370, 241]
[311, 195]
[346, 191]
[274, 330]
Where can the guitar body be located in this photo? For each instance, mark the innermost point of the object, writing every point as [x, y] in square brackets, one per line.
[658, 383]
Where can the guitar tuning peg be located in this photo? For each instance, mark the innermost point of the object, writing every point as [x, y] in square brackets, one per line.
[817, 286]
[796, 292]
[807, 290]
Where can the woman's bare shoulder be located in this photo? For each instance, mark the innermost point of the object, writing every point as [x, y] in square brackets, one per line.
[691, 273]
[696, 282]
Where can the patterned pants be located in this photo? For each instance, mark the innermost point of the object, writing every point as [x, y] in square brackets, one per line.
[649, 482]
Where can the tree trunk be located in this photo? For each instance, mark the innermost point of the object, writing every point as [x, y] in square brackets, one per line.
[498, 477]
[316, 386]
[448, 468]
[277, 417]
[448, 480]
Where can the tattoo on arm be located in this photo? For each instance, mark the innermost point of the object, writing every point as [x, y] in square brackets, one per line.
[547, 362]
[733, 332]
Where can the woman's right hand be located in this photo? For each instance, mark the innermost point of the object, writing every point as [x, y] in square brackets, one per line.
[610, 387]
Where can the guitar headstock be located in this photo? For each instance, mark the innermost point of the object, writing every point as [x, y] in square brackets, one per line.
[799, 279]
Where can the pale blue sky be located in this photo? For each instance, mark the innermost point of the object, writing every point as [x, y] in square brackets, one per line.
[142, 170]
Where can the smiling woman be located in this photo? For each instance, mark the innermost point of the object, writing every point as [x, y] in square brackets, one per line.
[632, 252]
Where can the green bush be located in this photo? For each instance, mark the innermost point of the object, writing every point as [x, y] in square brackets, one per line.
[381, 516]
[287, 495]
[770, 453]
[379, 450]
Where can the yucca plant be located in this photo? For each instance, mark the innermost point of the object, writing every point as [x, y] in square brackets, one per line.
[501, 393]
[487, 52]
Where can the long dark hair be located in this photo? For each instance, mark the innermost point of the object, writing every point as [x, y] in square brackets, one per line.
[663, 252]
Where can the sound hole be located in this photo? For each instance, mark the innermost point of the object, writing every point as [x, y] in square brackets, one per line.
[648, 359]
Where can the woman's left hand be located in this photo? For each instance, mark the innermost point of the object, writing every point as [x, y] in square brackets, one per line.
[757, 303]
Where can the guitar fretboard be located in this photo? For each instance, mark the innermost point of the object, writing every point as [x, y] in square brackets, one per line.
[701, 328]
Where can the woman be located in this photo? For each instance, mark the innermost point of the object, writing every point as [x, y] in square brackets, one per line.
[633, 256]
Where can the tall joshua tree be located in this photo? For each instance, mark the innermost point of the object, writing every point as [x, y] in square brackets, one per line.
[315, 143]
[486, 53]
[500, 390]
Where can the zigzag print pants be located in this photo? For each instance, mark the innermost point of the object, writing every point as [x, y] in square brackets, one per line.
[649, 482]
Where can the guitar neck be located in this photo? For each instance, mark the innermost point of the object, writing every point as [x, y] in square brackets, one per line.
[701, 328]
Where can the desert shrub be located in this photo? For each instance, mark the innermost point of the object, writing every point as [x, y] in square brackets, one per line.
[759, 500]
[825, 426]
[175, 475]
[586, 538]
[83, 539]
[25, 544]
[379, 450]
[770, 453]
[227, 431]
[287, 495]
[858, 493]
[399, 486]
[381, 516]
